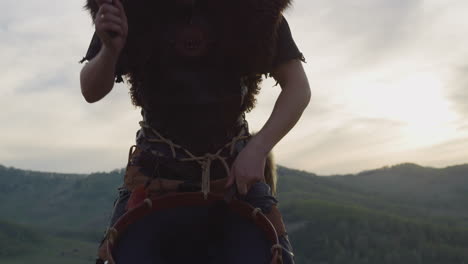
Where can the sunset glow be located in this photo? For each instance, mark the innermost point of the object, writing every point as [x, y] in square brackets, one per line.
[388, 83]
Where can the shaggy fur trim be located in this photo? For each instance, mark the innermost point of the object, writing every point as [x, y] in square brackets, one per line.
[249, 34]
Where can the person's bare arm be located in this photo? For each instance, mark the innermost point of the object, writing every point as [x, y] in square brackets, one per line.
[97, 76]
[289, 106]
[249, 165]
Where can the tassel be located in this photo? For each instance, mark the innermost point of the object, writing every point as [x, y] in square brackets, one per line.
[205, 186]
[277, 258]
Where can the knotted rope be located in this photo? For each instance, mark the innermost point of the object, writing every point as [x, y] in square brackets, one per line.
[204, 161]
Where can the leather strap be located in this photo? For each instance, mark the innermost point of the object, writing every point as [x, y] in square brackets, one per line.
[276, 219]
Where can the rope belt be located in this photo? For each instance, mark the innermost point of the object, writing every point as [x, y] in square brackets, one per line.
[204, 161]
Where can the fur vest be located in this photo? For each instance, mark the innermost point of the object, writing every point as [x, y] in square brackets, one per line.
[247, 41]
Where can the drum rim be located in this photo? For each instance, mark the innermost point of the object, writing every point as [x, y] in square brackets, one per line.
[192, 199]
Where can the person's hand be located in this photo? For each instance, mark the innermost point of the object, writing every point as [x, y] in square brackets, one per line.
[248, 168]
[111, 25]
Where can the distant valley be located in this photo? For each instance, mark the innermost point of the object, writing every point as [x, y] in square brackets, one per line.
[400, 214]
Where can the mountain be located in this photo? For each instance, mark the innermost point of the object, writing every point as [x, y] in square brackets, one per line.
[400, 214]
[57, 200]
[438, 193]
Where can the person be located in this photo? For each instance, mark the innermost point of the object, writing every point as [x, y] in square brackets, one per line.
[194, 68]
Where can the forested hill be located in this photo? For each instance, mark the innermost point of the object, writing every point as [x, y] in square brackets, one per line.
[400, 214]
[440, 193]
[412, 180]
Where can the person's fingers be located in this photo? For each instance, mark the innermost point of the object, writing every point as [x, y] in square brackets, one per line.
[111, 27]
[108, 20]
[120, 6]
[107, 9]
[231, 179]
[242, 188]
[123, 15]
[111, 19]
[241, 185]
[100, 2]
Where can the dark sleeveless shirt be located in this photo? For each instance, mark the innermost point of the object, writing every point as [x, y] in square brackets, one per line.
[190, 98]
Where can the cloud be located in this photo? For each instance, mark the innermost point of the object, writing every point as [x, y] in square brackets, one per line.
[66, 158]
[349, 145]
[363, 59]
[346, 35]
[459, 92]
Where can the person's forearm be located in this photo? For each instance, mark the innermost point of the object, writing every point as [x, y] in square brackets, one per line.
[287, 111]
[97, 76]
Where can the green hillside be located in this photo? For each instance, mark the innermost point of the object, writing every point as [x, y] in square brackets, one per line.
[20, 245]
[341, 220]
[437, 193]
[16, 240]
[338, 234]
[381, 216]
[57, 200]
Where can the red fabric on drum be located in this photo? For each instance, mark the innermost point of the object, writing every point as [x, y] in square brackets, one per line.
[138, 195]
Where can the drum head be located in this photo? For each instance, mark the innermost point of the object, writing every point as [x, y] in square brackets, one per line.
[208, 234]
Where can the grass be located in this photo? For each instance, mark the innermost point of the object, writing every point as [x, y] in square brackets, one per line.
[54, 250]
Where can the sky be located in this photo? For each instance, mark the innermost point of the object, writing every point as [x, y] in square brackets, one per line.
[389, 83]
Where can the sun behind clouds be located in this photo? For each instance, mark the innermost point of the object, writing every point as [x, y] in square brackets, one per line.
[417, 99]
